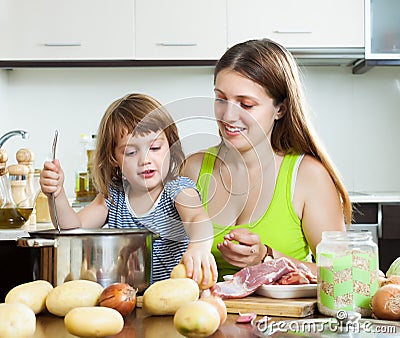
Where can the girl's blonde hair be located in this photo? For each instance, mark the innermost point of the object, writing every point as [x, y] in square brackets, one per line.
[274, 68]
[135, 114]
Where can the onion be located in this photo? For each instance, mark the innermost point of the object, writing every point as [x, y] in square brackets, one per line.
[119, 296]
[219, 305]
[386, 302]
[246, 317]
[393, 279]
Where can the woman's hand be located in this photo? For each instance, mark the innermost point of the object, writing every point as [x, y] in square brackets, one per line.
[242, 248]
[51, 178]
[200, 263]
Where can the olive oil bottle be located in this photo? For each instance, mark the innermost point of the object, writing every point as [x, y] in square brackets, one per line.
[14, 217]
[11, 216]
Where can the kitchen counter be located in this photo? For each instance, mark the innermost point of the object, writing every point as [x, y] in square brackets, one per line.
[14, 234]
[139, 324]
[374, 196]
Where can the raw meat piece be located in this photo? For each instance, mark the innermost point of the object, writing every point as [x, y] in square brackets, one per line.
[302, 275]
[249, 279]
[307, 272]
[293, 278]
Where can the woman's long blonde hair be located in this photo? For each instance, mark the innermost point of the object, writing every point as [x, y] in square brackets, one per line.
[274, 68]
[135, 114]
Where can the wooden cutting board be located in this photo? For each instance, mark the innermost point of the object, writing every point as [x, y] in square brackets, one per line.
[295, 307]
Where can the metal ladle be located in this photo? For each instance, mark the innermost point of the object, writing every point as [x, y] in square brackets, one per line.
[52, 195]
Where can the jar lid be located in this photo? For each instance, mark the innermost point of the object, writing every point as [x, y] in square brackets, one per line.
[349, 235]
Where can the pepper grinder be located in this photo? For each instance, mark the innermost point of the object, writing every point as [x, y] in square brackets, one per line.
[18, 174]
[26, 158]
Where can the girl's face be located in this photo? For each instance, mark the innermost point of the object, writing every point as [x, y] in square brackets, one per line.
[244, 111]
[145, 160]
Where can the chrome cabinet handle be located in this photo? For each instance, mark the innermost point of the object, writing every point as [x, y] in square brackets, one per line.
[277, 31]
[60, 44]
[380, 220]
[177, 44]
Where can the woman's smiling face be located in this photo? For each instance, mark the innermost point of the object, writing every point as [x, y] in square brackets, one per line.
[245, 112]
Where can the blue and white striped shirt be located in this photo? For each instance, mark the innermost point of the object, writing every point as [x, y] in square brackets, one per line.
[162, 219]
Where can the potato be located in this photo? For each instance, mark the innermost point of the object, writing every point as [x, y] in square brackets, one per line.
[197, 319]
[17, 320]
[179, 271]
[32, 294]
[167, 296]
[93, 321]
[72, 294]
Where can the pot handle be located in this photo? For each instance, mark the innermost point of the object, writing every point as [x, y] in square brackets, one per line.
[28, 242]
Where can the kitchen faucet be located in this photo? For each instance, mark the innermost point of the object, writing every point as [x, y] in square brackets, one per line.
[24, 134]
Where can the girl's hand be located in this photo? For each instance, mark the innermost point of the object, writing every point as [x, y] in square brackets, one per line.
[200, 264]
[52, 178]
[242, 248]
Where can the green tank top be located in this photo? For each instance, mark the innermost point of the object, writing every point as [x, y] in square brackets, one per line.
[279, 227]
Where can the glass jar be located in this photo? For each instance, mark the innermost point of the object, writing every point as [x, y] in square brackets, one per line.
[84, 187]
[347, 271]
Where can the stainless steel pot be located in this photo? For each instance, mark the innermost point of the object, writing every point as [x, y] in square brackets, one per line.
[103, 255]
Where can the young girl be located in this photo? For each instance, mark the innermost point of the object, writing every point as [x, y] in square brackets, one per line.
[136, 172]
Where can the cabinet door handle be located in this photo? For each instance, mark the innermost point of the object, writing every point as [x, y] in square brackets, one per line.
[380, 220]
[278, 31]
[177, 44]
[60, 44]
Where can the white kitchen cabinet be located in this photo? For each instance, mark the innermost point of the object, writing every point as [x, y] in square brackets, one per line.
[180, 29]
[66, 29]
[298, 23]
[382, 30]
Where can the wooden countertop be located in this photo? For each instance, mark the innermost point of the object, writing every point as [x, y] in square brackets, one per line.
[139, 324]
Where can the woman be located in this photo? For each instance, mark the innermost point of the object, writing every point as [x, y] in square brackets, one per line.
[268, 187]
